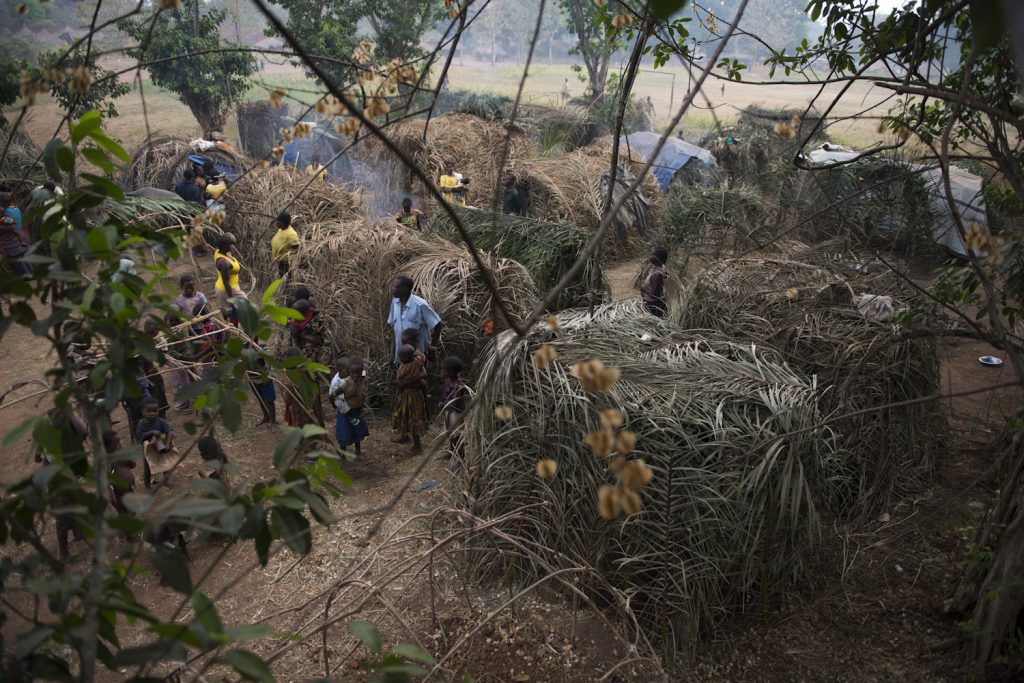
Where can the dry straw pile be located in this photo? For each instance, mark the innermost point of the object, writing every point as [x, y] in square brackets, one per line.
[160, 160]
[799, 302]
[471, 144]
[22, 167]
[547, 250]
[572, 188]
[740, 474]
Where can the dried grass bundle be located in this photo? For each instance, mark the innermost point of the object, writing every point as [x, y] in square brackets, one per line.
[471, 144]
[22, 169]
[800, 304]
[158, 161]
[546, 250]
[729, 511]
[734, 216]
[258, 124]
[572, 188]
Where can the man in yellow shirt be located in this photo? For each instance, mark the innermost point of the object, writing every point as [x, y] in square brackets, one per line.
[284, 243]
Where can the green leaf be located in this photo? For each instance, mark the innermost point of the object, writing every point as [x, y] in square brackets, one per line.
[230, 411]
[368, 633]
[50, 158]
[664, 9]
[286, 448]
[106, 143]
[292, 528]
[231, 520]
[161, 650]
[248, 665]
[97, 159]
[204, 507]
[206, 614]
[250, 632]
[89, 122]
[413, 652]
[23, 429]
[65, 159]
[173, 570]
[271, 290]
[139, 503]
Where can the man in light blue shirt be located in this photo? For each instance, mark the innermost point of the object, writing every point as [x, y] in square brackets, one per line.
[410, 311]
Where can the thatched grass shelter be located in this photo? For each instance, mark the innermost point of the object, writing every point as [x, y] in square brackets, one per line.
[799, 302]
[471, 144]
[159, 162]
[741, 475]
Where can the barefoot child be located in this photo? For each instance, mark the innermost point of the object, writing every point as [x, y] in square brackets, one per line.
[213, 455]
[410, 417]
[454, 397]
[350, 427]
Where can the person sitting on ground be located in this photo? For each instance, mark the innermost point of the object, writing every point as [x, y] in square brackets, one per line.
[11, 244]
[187, 188]
[154, 430]
[284, 243]
[512, 201]
[227, 270]
[409, 216]
[410, 416]
[653, 289]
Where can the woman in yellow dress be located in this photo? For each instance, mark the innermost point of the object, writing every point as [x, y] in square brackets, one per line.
[451, 186]
[227, 271]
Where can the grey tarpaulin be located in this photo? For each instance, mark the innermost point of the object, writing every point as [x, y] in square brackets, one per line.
[675, 155]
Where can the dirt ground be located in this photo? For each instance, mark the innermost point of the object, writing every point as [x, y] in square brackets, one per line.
[871, 609]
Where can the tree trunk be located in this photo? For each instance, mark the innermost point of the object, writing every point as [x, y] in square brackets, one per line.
[210, 115]
[1000, 600]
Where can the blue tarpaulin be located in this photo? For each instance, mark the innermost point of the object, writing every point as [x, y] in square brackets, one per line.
[673, 156]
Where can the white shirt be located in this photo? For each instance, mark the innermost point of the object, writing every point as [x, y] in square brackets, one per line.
[415, 314]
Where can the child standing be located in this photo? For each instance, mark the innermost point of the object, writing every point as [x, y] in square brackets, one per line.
[266, 395]
[189, 297]
[410, 416]
[153, 428]
[350, 427]
[454, 397]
